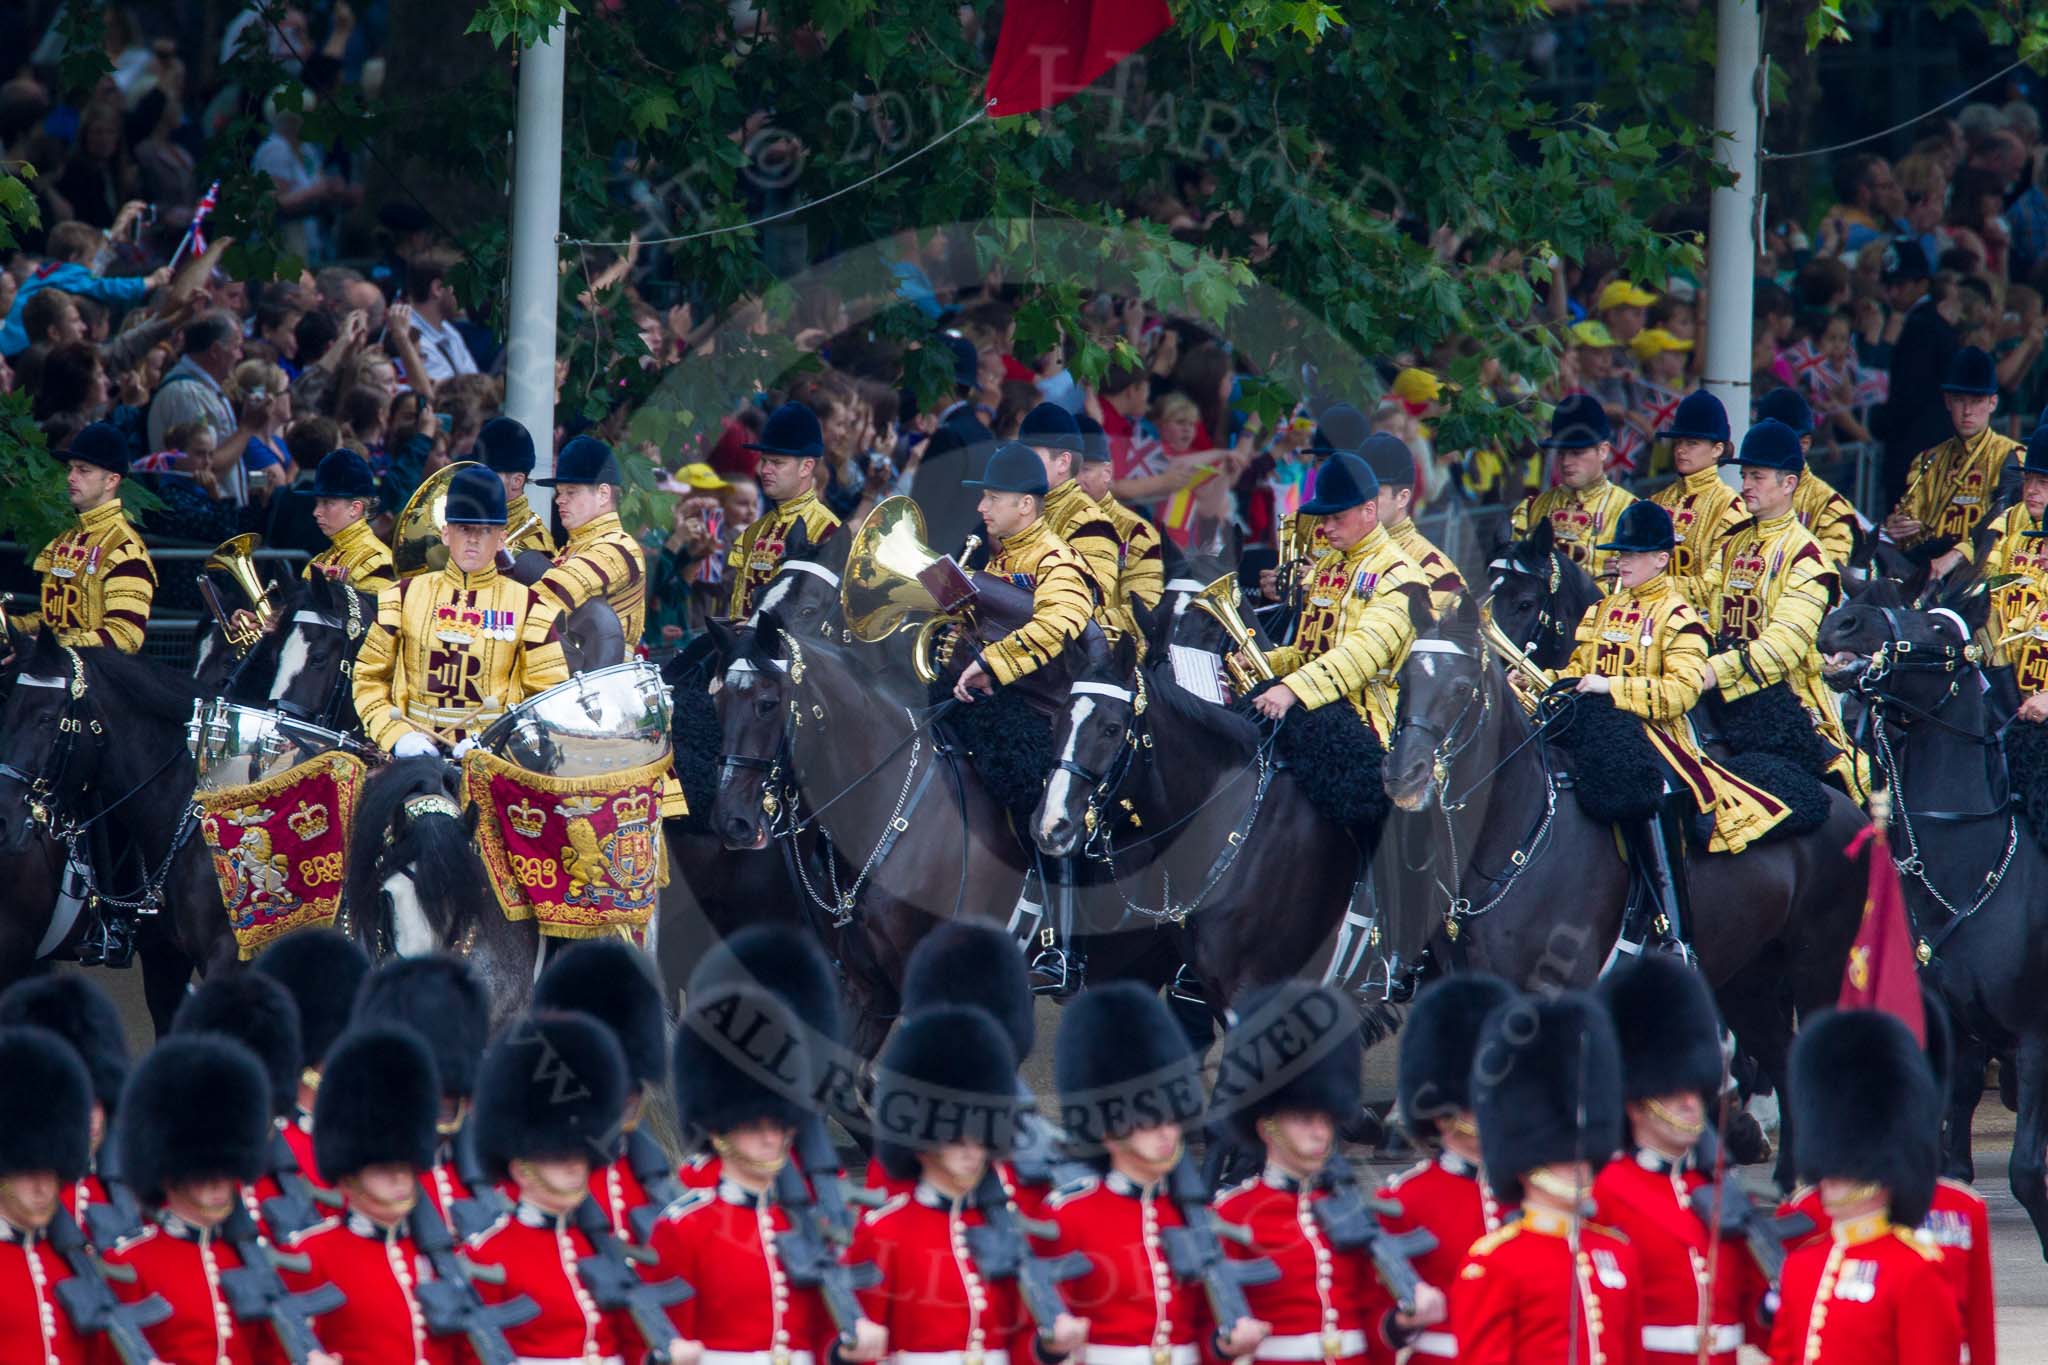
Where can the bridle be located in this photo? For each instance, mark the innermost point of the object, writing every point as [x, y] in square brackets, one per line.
[341, 686]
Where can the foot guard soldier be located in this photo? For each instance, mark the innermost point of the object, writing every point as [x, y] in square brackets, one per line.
[374, 1137]
[548, 1100]
[611, 981]
[71, 1006]
[1546, 1087]
[439, 998]
[1695, 1284]
[959, 1279]
[195, 1128]
[323, 970]
[1444, 1196]
[1584, 506]
[1347, 1290]
[768, 1291]
[1128, 1085]
[1865, 1126]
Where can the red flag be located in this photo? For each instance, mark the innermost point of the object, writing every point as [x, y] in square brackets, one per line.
[1051, 50]
[1881, 973]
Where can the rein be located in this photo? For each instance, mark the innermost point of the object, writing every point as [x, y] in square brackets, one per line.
[341, 685]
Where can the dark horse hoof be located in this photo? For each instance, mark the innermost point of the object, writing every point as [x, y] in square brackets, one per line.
[2008, 1084]
[1747, 1145]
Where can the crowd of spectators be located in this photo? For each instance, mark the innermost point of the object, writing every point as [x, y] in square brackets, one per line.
[229, 391]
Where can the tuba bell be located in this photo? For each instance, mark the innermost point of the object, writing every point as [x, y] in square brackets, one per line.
[1246, 662]
[416, 546]
[243, 626]
[892, 574]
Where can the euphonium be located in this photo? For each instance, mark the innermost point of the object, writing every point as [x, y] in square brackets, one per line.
[1246, 663]
[235, 557]
[416, 546]
[1512, 657]
[891, 574]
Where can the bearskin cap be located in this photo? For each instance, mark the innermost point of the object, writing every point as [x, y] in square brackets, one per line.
[257, 1012]
[742, 1055]
[379, 1102]
[72, 1006]
[45, 1104]
[1295, 1047]
[973, 962]
[1669, 1030]
[197, 1108]
[1546, 1087]
[439, 997]
[1864, 1107]
[1434, 1071]
[612, 982]
[948, 1075]
[323, 970]
[781, 959]
[552, 1085]
[1121, 1063]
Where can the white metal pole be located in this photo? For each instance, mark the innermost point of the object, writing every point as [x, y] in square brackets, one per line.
[1731, 228]
[536, 218]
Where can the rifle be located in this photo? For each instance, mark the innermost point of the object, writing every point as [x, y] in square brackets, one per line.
[296, 1206]
[449, 1301]
[650, 1166]
[1767, 1234]
[1195, 1252]
[89, 1300]
[614, 1282]
[479, 1213]
[120, 1217]
[1002, 1249]
[256, 1293]
[1035, 1155]
[1350, 1219]
[821, 1228]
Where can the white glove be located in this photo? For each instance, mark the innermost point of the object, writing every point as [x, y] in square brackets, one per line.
[413, 744]
[463, 746]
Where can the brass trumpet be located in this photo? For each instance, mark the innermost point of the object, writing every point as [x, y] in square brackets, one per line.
[235, 557]
[1245, 664]
[1517, 663]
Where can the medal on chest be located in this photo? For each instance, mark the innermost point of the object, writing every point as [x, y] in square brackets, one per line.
[1857, 1283]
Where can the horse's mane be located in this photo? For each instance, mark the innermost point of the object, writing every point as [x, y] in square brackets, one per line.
[142, 685]
[1225, 723]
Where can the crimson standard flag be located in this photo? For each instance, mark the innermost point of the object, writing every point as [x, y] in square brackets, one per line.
[1881, 974]
[1050, 50]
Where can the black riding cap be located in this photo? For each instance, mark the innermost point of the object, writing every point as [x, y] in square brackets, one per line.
[584, 460]
[1770, 444]
[1343, 481]
[344, 474]
[1643, 527]
[791, 429]
[506, 446]
[1013, 467]
[1700, 417]
[1578, 423]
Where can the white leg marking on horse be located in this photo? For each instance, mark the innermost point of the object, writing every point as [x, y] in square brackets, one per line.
[410, 930]
[1062, 780]
[291, 661]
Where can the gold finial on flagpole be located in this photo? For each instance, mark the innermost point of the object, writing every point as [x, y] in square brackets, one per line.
[1881, 808]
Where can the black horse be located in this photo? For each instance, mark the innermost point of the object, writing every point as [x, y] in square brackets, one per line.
[1199, 826]
[1975, 878]
[1537, 891]
[96, 741]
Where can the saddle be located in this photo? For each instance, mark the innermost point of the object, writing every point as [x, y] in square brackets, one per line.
[2026, 757]
[1335, 758]
[1008, 738]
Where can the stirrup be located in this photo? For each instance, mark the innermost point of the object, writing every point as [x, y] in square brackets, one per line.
[108, 942]
[1187, 987]
[1055, 973]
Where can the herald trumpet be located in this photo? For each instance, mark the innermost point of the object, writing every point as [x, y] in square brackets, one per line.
[1246, 663]
[243, 626]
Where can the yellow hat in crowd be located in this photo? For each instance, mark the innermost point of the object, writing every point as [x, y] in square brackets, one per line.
[1593, 332]
[1622, 294]
[1652, 341]
[1417, 386]
[700, 477]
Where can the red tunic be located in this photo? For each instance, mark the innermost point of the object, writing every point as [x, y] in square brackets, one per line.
[1447, 1199]
[721, 1242]
[1129, 1295]
[618, 1192]
[1868, 1294]
[1327, 1305]
[1685, 1272]
[933, 1296]
[700, 1172]
[80, 1195]
[444, 1187]
[298, 1135]
[539, 1252]
[184, 1264]
[34, 1328]
[377, 1268]
[1029, 1198]
[1515, 1304]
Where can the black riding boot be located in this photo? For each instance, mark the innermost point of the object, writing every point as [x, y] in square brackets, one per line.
[1058, 968]
[1656, 917]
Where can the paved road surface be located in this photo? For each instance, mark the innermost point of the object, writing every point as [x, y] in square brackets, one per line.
[2021, 1275]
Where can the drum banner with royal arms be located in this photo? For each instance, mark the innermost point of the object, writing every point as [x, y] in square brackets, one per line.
[582, 855]
[278, 847]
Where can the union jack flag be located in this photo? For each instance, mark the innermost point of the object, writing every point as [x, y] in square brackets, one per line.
[1655, 408]
[1803, 359]
[195, 235]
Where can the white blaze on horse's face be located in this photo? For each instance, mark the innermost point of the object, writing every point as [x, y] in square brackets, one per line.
[410, 929]
[1062, 783]
[740, 676]
[772, 599]
[291, 662]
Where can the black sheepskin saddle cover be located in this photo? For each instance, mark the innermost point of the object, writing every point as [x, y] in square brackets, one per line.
[2026, 755]
[1771, 743]
[1335, 758]
[1616, 774]
[1008, 740]
[698, 741]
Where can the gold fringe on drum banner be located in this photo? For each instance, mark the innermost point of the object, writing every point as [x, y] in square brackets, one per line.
[582, 855]
[279, 846]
